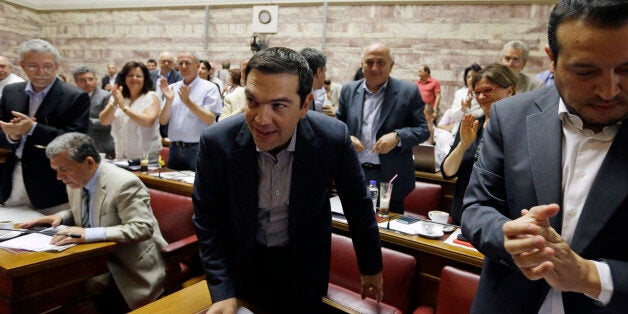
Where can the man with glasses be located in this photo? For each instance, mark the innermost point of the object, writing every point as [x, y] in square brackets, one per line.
[514, 55]
[32, 114]
[385, 120]
[191, 105]
[85, 78]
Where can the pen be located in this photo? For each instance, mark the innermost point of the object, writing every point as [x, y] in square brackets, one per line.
[71, 235]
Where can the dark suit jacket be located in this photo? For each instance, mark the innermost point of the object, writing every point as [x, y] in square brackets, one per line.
[174, 77]
[226, 203]
[520, 167]
[402, 111]
[100, 133]
[106, 80]
[64, 109]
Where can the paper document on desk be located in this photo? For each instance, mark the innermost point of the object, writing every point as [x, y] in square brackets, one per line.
[36, 242]
[18, 214]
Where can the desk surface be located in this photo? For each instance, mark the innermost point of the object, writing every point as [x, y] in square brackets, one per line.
[173, 186]
[192, 299]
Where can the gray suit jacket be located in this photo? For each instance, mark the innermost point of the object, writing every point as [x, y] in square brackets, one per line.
[100, 133]
[122, 205]
[520, 166]
[402, 111]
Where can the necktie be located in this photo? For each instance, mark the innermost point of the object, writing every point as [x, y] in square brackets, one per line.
[85, 209]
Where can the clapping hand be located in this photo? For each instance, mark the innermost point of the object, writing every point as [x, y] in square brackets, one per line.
[468, 129]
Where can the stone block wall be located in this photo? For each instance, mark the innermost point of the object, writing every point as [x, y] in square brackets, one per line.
[447, 37]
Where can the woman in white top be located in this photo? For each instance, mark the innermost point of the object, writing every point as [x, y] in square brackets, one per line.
[132, 113]
[463, 103]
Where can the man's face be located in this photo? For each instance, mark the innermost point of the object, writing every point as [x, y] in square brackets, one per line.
[86, 81]
[41, 68]
[188, 66]
[423, 75]
[273, 108]
[151, 65]
[319, 78]
[591, 71]
[73, 174]
[5, 68]
[376, 66]
[166, 63]
[513, 58]
[112, 69]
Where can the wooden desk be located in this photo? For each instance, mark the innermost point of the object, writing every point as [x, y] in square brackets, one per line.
[192, 299]
[35, 282]
[449, 186]
[431, 256]
[177, 187]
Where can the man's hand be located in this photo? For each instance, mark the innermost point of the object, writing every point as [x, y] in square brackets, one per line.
[53, 220]
[386, 143]
[372, 283]
[357, 144]
[19, 126]
[62, 239]
[165, 89]
[184, 95]
[226, 306]
[541, 253]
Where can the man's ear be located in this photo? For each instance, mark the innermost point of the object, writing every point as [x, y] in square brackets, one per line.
[306, 105]
[551, 58]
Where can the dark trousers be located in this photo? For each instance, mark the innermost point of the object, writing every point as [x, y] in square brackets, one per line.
[183, 157]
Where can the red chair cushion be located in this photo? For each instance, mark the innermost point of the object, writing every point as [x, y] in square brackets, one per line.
[424, 197]
[173, 213]
[353, 303]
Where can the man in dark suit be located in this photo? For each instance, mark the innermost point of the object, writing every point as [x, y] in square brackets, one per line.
[85, 78]
[32, 114]
[165, 71]
[110, 79]
[547, 203]
[261, 195]
[385, 119]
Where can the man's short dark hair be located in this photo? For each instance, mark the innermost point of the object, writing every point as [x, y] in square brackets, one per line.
[610, 14]
[280, 60]
[82, 70]
[315, 59]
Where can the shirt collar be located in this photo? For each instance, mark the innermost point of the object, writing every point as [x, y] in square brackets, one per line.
[379, 92]
[569, 118]
[91, 185]
[30, 91]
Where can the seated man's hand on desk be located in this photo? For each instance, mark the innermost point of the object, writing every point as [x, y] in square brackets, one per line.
[63, 236]
[226, 306]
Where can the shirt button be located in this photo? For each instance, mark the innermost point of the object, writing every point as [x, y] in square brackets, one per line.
[276, 192]
[581, 174]
[572, 212]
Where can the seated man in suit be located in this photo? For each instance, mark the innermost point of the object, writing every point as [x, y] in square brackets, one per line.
[547, 202]
[32, 114]
[108, 204]
[261, 195]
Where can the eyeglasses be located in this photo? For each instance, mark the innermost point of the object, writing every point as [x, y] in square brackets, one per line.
[509, 59]
[485, 91]
[48, 68]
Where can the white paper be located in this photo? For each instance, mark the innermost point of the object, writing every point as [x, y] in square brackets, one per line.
[18, 214]
[336, 205]
[453, 236]
[36, 242]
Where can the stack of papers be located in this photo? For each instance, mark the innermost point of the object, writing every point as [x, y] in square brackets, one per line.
[185, 175]
[36, 242]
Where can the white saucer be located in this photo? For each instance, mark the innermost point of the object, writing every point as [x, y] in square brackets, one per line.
[433, 235]
[448, 229]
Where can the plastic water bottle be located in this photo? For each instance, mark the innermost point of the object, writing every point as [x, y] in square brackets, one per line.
[374, 193]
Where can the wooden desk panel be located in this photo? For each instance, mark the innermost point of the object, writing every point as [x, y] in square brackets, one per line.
[177, 187]
[192, 299]
[34, 282]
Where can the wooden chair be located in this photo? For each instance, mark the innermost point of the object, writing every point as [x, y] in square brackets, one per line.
[174, 216]
[456, 291]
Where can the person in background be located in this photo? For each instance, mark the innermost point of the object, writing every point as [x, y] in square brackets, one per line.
[515, 55]
[234, 77]
[463, 103]
[109, 79]
[6, 74]
[62, 77]
[547, 203]
[214, 78]
[439, 138]
[429, 88]
[385, 120]
[108, 203]
[547, 77]
[132, 112]
[494, 82]
[277, 160]
[359, 74]
[191, 105]
[32, 114]
[166, 70]
[85, 78]
[318, 65]
[234, 103]
[151, 64]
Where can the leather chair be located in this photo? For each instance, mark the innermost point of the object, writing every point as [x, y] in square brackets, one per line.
[424, 197]
[456, 291]
[344, 280]
[174, 216]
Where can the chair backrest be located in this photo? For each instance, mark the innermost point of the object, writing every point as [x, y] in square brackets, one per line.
[173, 213]
[456, 291]
[425, 197]
[398, 272]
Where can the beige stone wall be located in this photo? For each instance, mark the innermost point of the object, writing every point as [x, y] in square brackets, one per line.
[447, 37]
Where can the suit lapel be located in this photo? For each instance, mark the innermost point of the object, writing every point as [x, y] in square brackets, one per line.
[357, 107]
[54, 96]
[244, 174]
[545, 147]
[390, 98]
[100, 191]
[607, 192]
